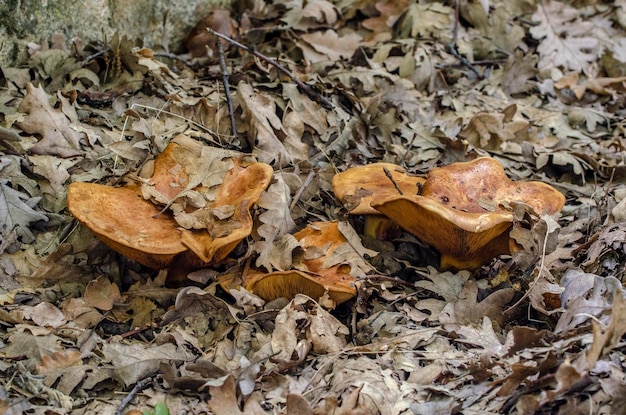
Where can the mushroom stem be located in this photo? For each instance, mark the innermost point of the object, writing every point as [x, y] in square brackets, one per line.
[380, 227]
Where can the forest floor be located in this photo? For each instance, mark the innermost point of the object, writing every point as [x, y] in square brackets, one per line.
[318, 87]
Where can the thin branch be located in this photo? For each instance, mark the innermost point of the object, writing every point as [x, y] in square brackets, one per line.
[452, 46]
[312, 93]
[390, 177]
[297, 196]
[229, 99]
[139, 386]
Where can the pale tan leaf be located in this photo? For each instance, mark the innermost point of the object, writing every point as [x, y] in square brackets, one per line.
[564, 37]
[330, 45]
[271, 142]
[57, 137]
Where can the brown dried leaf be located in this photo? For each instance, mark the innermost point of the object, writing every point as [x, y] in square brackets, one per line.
[102, 294]
[329, 45]
[270, 140]
[563, 36]
[45, 314]
[58, 138]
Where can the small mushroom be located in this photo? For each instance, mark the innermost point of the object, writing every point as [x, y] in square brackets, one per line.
[287, 284]
[357, 187]
[464, 211]
[314, 278]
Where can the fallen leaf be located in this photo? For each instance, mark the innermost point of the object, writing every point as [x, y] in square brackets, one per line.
[102, 294]
[268, 138]
[58, 138]
[18, 212]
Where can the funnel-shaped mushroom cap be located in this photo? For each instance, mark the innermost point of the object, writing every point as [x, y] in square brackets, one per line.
[314, 278]
[357, 187]
[463, 210]
[126, 222]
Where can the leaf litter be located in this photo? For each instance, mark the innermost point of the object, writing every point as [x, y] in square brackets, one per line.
[537, 85]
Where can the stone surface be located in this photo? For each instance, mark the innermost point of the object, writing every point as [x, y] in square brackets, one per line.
[159, 24]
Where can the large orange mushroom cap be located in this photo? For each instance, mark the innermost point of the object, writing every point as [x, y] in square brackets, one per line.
[464, 210]
[126, 222]
[358, 186]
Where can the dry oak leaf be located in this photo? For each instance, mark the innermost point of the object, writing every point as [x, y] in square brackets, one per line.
[17, 211]
[275, 223]
[600, 86]
[273, 142]
[102, 294]
[58, 138]
[328, 45]
[390, 12]
[562, 36]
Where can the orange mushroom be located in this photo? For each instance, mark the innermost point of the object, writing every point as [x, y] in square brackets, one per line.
[126, 222]
[357, 187]
[313, 277]
[138, 229]
[464, 211]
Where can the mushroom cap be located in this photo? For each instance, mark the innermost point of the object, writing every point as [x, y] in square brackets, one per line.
[126, 222]
[313, 277]
[136, 227]
[357, 187]
[463, 210]
[336, 281]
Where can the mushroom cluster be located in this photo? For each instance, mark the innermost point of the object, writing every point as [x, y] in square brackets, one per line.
[463, 210]
[215, 213]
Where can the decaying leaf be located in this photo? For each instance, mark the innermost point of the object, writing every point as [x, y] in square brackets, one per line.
[17, 211]
[268, 138]
[565, 40]
[58, 138]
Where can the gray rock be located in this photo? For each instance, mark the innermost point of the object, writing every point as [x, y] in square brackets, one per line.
[158, 24]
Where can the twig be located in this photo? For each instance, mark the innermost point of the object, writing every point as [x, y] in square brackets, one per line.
[172, 57]
[452, 46]
[297, 196]
[390, 177]
[229, 99]
[94, 56]
[312, 93]
[131, 395]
